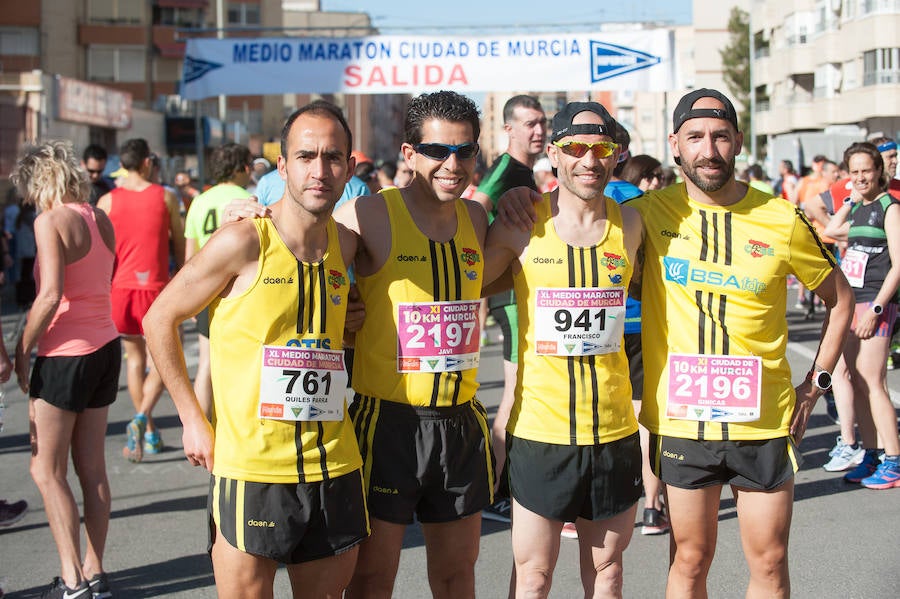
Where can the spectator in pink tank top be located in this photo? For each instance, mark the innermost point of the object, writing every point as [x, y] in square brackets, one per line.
[76, 374]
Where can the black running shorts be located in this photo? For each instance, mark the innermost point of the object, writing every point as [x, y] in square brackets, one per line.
[289, 523]
[565, 482]
[74, 383]
[435, 463]
[203, 322]
[689, 464]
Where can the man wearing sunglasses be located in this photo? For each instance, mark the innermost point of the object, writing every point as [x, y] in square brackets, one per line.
[93, 160]
[573, 450]
[526, 127]
[423, 436]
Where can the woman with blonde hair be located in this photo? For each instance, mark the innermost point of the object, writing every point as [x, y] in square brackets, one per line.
[76, 374]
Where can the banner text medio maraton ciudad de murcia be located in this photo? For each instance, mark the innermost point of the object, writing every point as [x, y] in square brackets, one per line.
[635, 60]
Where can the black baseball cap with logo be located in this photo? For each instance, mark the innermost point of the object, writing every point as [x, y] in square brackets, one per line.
[562, 121]
[685, 110]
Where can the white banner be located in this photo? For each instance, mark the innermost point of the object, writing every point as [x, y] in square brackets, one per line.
[636, 60]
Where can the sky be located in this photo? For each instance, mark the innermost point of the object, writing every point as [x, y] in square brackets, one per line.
[481, 16]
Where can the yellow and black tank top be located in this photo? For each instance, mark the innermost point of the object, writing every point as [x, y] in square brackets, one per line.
[571, 399]
[418, 270]
[290, 303]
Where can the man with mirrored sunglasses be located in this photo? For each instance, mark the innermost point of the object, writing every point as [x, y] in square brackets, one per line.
[526, 127]
[572, 438]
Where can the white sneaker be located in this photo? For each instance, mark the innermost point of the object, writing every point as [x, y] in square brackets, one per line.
[844, 456]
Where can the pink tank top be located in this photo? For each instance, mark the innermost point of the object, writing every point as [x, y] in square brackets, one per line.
[141, 222]
[83, 322]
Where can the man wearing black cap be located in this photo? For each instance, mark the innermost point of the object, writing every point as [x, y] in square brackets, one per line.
[718, 398]
[573, 448]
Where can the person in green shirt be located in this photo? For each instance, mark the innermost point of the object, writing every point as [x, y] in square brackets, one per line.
[231, 167]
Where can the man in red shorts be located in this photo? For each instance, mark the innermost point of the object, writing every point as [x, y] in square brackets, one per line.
[144, 216]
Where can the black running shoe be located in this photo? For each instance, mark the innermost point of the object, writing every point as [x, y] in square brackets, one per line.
[59, 590]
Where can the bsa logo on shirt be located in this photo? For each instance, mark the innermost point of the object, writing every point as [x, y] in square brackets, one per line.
[336, 278]
[470, 256]
[677, 270]
[758, 249]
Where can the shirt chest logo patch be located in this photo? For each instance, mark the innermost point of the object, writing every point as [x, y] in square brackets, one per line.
[758, 249]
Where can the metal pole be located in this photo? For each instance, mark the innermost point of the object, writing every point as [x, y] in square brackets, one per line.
[198, 137]
[220, 33]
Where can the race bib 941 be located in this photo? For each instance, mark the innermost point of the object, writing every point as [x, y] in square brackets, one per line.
[578, 321]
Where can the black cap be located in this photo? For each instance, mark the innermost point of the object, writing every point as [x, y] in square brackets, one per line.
[562, 121]
[686, 111]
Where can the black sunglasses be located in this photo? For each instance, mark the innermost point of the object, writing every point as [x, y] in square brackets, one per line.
[442, 151]
[92, 171]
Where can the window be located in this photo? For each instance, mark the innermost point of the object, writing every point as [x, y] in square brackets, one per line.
[115, 11]
[116, 64]
[19, 41]
[243, 14]
[177, 17]
[881, 66]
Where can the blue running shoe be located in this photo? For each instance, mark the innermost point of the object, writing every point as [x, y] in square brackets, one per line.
[886, 476]
[865, 469]
[134, 437]
[152, 443]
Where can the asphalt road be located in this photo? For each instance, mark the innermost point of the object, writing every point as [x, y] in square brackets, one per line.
[843, 542]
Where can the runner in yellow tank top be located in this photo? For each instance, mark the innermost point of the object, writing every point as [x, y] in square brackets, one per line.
[573, 448]
[281, 449]
[423, 436]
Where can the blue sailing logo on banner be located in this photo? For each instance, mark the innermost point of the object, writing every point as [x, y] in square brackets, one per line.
[195, 68]
[609, 60]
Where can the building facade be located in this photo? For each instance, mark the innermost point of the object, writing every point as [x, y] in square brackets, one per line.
[825, 73]
[129, 54]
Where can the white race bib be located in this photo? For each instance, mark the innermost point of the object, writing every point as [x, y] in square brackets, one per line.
[578, 321]
[854, 266]
[302, 384]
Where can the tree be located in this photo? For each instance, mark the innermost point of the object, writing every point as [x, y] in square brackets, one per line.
[736, 62]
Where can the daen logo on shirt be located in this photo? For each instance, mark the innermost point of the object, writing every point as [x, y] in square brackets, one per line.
[278, 280]
[408, 258]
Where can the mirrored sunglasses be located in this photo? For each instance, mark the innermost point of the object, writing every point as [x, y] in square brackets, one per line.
[577, 149]
[443, 151]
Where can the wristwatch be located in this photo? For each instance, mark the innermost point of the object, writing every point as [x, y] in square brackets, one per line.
[821, 379]
[877, 309]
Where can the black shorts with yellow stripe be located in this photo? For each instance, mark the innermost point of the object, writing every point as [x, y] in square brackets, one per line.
[289, 523]
[435, 463]
[760, 465]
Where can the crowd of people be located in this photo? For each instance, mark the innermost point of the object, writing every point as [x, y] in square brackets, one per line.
[644, 343]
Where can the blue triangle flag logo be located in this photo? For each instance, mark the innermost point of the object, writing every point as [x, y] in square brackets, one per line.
[195, 68]
[609, 60]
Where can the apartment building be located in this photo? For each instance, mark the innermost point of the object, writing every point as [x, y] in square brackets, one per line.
[825, 73]
[101, 71]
